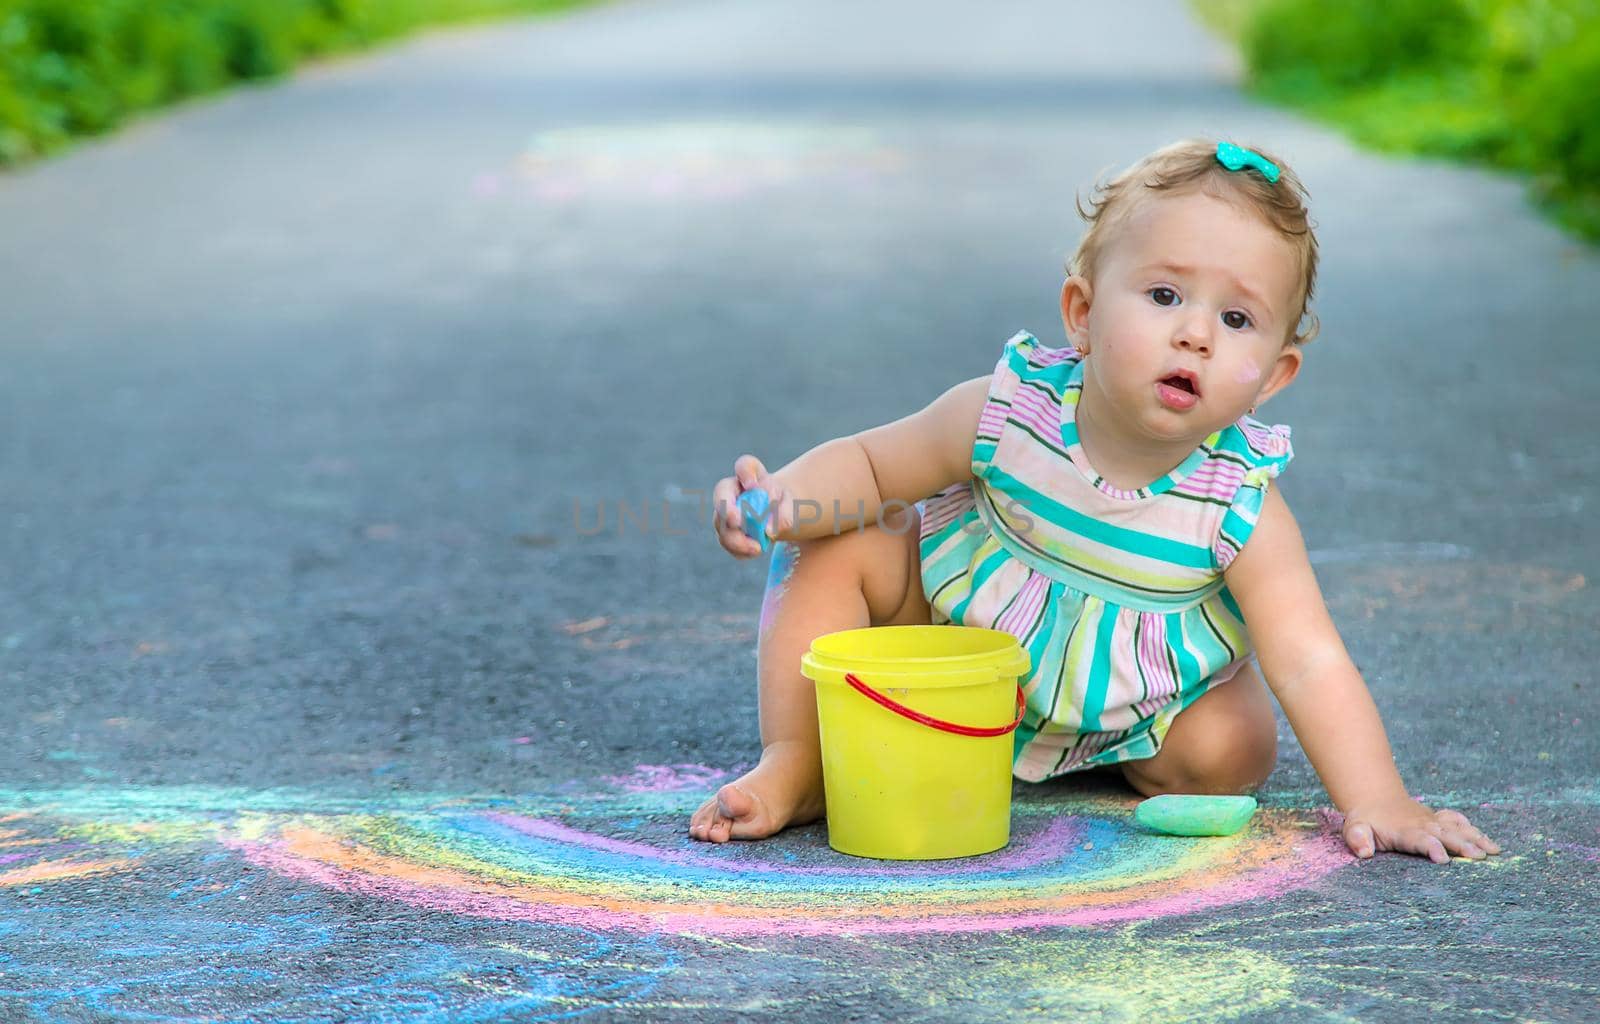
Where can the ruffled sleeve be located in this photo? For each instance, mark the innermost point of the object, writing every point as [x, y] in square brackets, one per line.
[1266, 450]
[1022, 357]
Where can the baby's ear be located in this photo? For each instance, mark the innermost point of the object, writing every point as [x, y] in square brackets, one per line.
[1283, 371]
[1076, 296]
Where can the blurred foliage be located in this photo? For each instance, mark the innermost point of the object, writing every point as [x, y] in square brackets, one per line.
[79, 67]
[1295, 45]
[1511, 83]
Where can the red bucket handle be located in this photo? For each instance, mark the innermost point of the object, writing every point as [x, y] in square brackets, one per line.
[917, 716]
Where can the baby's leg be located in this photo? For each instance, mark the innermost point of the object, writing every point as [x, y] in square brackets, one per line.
[868, 577]
[1225, 742]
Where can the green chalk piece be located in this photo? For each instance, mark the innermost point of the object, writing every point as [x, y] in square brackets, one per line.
[1182, 815]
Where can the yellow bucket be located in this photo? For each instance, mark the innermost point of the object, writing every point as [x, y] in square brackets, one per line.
[916, 750]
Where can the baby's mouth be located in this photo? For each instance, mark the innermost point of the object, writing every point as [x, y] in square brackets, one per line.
[1182, 384]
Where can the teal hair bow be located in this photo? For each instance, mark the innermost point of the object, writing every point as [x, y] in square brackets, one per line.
[1236, 158]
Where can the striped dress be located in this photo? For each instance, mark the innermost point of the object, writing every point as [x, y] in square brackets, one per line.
[1118, 596]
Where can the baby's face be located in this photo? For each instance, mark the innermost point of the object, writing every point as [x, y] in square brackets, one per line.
[1191, 285]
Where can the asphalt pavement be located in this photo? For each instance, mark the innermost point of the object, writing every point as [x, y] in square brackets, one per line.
[365, 640]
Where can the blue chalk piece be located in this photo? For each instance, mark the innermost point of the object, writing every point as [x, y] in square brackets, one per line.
[1182, 814]
[753, 506]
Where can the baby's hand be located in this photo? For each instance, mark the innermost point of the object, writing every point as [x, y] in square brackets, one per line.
[748, 475]
[1406, 826]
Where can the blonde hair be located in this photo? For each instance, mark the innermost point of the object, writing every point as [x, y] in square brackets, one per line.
[1191, 165]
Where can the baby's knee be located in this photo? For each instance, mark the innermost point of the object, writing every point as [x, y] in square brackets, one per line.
[880, 560]
[1234, 757]
[1233, 761]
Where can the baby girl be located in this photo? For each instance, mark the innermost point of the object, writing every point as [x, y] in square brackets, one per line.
[1110, 505]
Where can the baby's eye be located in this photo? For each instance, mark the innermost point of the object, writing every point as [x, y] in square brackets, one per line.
[1244, 321]
[1158, 293]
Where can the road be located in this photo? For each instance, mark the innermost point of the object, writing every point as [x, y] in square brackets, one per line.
[330, 700]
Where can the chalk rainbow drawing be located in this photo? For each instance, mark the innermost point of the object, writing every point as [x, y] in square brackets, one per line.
[1062, 869]
[1078, 862]
[589, 897]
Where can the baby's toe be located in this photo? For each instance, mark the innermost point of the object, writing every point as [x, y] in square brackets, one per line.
[700, 820]
[735, 804]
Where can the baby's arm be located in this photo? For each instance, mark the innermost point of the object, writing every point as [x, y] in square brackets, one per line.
[850, 479]
[1326, 701]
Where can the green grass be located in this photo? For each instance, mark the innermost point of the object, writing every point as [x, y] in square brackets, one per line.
[74, 68]
[1510, 84]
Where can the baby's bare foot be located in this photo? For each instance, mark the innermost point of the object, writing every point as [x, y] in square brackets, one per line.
[784, 789]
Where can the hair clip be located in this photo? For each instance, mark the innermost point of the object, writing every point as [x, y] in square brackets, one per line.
[1236, 158]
